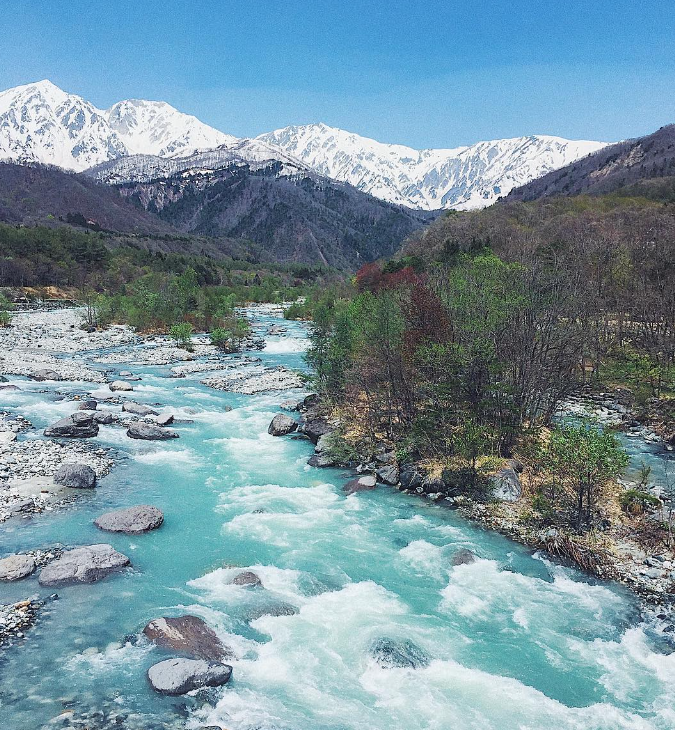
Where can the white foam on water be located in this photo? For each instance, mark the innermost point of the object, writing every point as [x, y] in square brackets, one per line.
[281, 583]
[286, 345]
[118, 658]
[424, 558]
[179, 458]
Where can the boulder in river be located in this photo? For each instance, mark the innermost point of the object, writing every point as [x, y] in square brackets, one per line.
[506, 485]
[463, 557]
[138, 409]
[120, 385]
[105, 418]
[179, 676]
[166, 419]
[150, 432]
[360, 484]
[281, 425]
[15, 567]
[188, 635]
[88, 405]
[246, 578]
[392, 653]
[45, 374]
[131, 520]
[77, 476]
[86, 564]
[78, 425]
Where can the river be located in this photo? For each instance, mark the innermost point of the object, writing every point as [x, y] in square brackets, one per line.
[508, 642]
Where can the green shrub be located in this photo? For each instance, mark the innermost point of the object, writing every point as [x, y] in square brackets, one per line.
[182, 333]
[637, 502]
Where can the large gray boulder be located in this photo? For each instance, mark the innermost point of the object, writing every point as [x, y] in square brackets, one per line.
[45, 374]
[165, 419]
[78, 425]
[105, 418]
[16, 567]
[120, 385]
[361, 484]
[247, 578]
[77, 476]
[132, 520]
[88, 405]
[281, 425]
[506, 485]
[138, 409]
[187, 635]
[315, 427]
[83, 565]
[179, 676]
[150, 432]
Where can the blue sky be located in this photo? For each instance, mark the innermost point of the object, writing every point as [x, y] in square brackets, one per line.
[422, 72]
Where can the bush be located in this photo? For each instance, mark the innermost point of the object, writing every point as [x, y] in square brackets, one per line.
[296, 311]
[182, 333]
[221, 338]
[636, 502]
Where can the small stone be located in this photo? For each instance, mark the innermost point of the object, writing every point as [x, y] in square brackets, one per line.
[463, 557]
[165, 419]
[138, 409]
[360, 484]
[88, 405]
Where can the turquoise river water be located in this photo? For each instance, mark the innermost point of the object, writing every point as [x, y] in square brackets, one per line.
[515, 642]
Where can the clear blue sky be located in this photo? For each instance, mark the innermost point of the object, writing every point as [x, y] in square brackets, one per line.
[421, 72]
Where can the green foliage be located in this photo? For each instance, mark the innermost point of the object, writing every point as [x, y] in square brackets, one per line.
[584, 459]
[5, 315]
[182, 333]
[637, 502]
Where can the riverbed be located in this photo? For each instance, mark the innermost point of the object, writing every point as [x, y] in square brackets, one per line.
[362, 621]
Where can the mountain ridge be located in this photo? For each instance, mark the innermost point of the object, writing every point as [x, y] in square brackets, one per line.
[41, 123]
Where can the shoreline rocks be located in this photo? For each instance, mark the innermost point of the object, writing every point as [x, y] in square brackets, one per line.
[132, 520]
[86, 564]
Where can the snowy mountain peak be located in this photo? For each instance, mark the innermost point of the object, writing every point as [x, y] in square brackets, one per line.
[462, 178]
[40, 122]
[156, 128]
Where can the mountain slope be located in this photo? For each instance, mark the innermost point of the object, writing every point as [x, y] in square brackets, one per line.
[462, 178]
[36, 194]
[619, 165]
[41, 123]
[296, 218]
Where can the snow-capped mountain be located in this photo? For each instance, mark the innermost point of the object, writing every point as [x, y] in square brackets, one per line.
[41, 123]
[462, 178]
[156, 128]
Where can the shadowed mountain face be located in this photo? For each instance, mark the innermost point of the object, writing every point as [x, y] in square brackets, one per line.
[38, 194]
[300, 218]
[614, 167]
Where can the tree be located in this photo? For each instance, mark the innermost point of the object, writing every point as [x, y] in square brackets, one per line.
[182, 333]
[584, 459]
